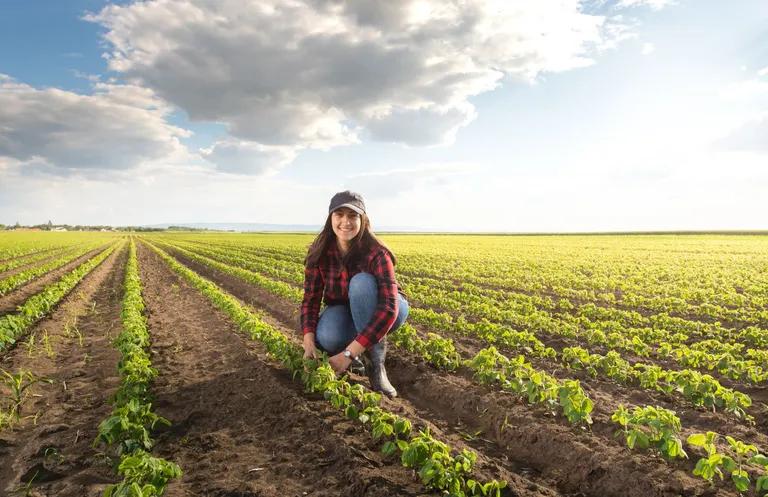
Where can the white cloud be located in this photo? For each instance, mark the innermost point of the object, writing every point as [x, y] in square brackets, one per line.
[653, 4]
[318, 73]
[55, 131]
[250, 158]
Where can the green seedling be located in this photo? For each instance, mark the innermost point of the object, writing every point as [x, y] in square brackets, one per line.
[651, 427]
[29, 343]
[47, 346]
[144, 476]
[716, 463]
[18, 385]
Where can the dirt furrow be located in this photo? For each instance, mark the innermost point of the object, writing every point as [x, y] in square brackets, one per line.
[9, 302]
[72, 347]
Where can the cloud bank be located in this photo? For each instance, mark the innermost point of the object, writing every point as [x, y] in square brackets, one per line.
[60, 132]
[323, 73]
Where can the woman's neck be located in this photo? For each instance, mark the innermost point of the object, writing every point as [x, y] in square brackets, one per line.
[343, 247]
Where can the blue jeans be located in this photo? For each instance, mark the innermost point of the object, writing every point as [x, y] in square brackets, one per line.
[339, 324]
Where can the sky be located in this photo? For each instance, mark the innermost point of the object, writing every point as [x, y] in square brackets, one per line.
[472, 115]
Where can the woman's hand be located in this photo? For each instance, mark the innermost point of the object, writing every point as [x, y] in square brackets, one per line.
[310, 350]
[339, 363]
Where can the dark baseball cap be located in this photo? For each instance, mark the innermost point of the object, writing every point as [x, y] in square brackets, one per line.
[348, 199]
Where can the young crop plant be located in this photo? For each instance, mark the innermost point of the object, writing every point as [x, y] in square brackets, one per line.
[143, 476]
[738, 456]
[537, 387]
[436, 350]
[651, 427]
[129, 427]
[575, 403]
[17, 385]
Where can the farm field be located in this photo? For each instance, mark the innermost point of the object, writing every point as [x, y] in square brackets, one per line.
[595, 365]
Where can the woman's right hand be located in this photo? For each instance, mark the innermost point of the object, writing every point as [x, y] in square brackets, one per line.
[310, 350]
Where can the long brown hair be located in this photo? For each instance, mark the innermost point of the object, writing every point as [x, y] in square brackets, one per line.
[359, 246]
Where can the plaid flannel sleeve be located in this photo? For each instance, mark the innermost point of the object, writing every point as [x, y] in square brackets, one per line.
[387, 307]
[313, 295]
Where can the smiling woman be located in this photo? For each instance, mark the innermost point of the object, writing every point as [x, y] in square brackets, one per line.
[354, 273]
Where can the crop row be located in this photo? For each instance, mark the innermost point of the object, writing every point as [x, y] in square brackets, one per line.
[15, 245]
[127, 430]
[710, 355]
[14, 325]
[659, 429]
[30, 258]
[10, 283]
[437, 466]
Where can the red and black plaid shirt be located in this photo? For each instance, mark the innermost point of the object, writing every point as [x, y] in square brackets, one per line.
[330, 280]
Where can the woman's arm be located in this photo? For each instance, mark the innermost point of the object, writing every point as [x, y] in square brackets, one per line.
[313, 295]
[385, 314]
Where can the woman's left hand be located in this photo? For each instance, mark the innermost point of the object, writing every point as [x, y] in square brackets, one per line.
[339, 363]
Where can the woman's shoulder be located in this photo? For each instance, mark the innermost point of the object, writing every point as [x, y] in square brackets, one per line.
[377, 250]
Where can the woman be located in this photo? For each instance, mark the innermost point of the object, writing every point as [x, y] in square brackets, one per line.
[355, 273]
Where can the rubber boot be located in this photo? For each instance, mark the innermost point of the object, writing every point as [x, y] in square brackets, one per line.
[375, 368]
[357, 366]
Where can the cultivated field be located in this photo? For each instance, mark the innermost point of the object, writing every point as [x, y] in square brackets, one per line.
[529, 366]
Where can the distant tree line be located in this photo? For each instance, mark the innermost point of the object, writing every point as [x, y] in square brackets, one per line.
[49, 226]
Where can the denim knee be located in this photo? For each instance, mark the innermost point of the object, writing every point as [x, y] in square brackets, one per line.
[330, 342]
[335, 329]
[363, 283]
[403, 307]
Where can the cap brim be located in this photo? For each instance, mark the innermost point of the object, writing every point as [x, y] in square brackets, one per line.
[350, 206]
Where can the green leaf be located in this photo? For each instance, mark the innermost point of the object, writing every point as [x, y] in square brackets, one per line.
[760, 460]
[762, 483]
[740, 479]
[697, 439]
[352, 412]
[389, 448]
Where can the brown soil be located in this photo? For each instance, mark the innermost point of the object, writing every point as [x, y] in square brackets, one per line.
[55, 450]
[9, 302]
[533, 443]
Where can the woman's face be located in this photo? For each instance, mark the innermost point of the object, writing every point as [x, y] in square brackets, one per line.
[346, 223]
